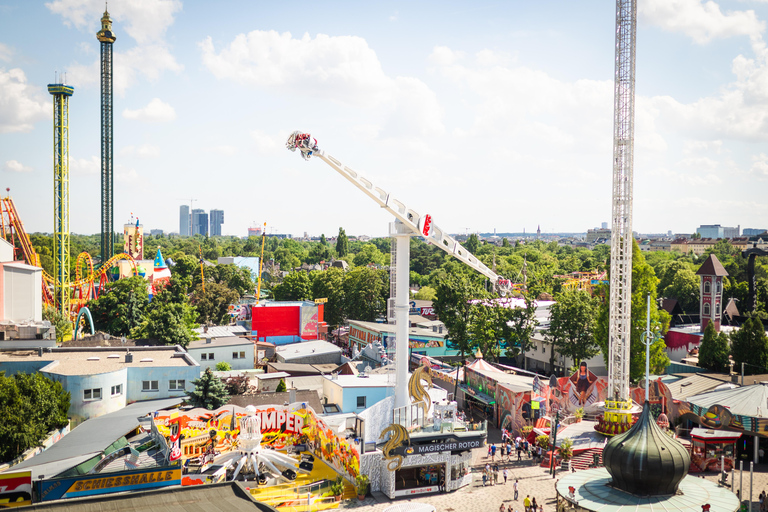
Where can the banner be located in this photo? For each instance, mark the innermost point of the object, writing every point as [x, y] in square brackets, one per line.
[56, 489]
[15, 489]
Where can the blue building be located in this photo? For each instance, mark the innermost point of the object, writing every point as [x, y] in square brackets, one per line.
[355, 393]
[105, 379]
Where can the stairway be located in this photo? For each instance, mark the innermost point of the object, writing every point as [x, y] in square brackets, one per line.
[583, 460]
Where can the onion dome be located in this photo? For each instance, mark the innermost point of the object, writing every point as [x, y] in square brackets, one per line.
[645, 461]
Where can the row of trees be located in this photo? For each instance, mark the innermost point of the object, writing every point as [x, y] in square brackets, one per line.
[747, 346]
[578, 326]
[31, 406]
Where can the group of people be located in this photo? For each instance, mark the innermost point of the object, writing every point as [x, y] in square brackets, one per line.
[519, 445]
[491, 475]
[529, 504]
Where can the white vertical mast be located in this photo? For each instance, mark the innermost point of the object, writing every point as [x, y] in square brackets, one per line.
[621, 233]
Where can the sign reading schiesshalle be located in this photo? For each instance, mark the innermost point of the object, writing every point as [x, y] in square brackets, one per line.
[108, 483]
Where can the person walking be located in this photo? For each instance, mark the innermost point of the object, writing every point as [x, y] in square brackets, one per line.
[519, 453]
[495, 475]
[485, 476]
[505, 479]
[534, 507]
[527, 503]
[502, 508]
[493, 451]
[514, 487]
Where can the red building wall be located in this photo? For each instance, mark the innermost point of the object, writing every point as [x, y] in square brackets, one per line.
[276, 321]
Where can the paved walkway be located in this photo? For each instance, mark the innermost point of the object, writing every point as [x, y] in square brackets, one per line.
[532, 480]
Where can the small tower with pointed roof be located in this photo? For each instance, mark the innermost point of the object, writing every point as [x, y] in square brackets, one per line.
[538, 232]
[711, 291]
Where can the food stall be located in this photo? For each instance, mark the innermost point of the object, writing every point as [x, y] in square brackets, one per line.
[709, 447]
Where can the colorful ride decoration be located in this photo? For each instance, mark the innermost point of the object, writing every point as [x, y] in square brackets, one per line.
[617, 418]
[206, 435]
[83, 288]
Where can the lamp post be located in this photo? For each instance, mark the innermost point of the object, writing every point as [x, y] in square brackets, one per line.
[554, 442]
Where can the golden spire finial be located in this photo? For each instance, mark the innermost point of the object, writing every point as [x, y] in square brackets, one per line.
[105, 35]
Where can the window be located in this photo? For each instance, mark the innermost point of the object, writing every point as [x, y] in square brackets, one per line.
[210, 356]
[238, 355]
[149, 385]
[176, 385]
[92, 394]
[719, 286]
[707, 287]
[361, 402]
[705, 311]
[117, 390]
[717, 309]
[204, 356]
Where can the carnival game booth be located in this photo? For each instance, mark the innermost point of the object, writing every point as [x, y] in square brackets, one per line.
[713, 450]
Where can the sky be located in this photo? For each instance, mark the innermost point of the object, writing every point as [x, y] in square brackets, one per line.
[486, 115]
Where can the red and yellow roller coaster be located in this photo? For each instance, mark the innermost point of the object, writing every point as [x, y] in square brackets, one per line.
[83, 287]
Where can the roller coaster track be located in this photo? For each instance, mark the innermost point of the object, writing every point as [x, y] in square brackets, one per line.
[83, 287]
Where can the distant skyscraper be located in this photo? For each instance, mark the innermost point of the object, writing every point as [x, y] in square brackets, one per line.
[199, 222]
[184, 220]
[217, 219]
[604, 225]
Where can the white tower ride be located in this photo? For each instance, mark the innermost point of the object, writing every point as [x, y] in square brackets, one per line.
[621, 233]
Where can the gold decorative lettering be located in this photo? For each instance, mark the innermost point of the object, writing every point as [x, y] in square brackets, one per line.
[151, 478]
[78, 486]
[109, 481]
[117, 481]
[168, 475]
[143, 479]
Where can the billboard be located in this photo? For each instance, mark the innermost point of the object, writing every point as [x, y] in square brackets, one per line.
[15, 489]
[61, 488]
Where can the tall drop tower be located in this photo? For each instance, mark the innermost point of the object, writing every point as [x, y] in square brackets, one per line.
[621, 233]
[61, 94]
[106, 37]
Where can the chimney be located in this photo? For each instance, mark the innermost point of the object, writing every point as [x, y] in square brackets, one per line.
[128, 357]
[292, 394]
[207, 339]
[40, 351]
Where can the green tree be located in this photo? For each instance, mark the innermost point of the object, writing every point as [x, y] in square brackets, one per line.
[714, 350]
[210, 392]
[749, 345]
[453, 307]
[281, 387]
[486, 329]
[342, 244]
[329, 284]
[368, 254]
[170, 317]
[121, 306]
[425, 293]
[31, 406]
[365, 291]
[644, 282]
[212, 306]
[518, 325]
[223, 366]
[295, 286]
[319, 252]
[472, 243]
[237, 279]
[60, 322]
[572, 324]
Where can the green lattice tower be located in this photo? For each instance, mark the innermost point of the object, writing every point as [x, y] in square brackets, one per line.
[106, 37]
[61, 94]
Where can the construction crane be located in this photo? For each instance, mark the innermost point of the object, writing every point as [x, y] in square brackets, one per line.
[407, 223]
[618, 403]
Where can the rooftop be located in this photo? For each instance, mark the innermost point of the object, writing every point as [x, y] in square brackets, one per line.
[305, 349]
[229, 341]
[96, 360]
[356, 381]
[390, 329]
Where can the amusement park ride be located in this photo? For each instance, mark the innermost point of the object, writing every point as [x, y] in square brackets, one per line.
[407, 223]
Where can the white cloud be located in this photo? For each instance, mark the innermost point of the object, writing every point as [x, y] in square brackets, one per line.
[340, 69]
[85, 166]
[125, 175]
[700, 20]
[144, 20]
[156, 111]
[5, 52]
[695, 147]
[760, 166]
[393, 17]
[16, 166]
[146, 62]
[143, 151]
[21, 105]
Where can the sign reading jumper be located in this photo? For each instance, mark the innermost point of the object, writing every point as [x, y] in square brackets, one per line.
[453, 446]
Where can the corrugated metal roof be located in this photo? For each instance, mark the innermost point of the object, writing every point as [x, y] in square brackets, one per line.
[696, 384]
[749, 401]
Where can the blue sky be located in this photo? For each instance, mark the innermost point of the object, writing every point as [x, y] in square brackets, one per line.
[489, 115]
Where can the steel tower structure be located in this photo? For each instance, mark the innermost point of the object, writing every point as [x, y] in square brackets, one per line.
[61, 291]
[106, 37]
[621, 234]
